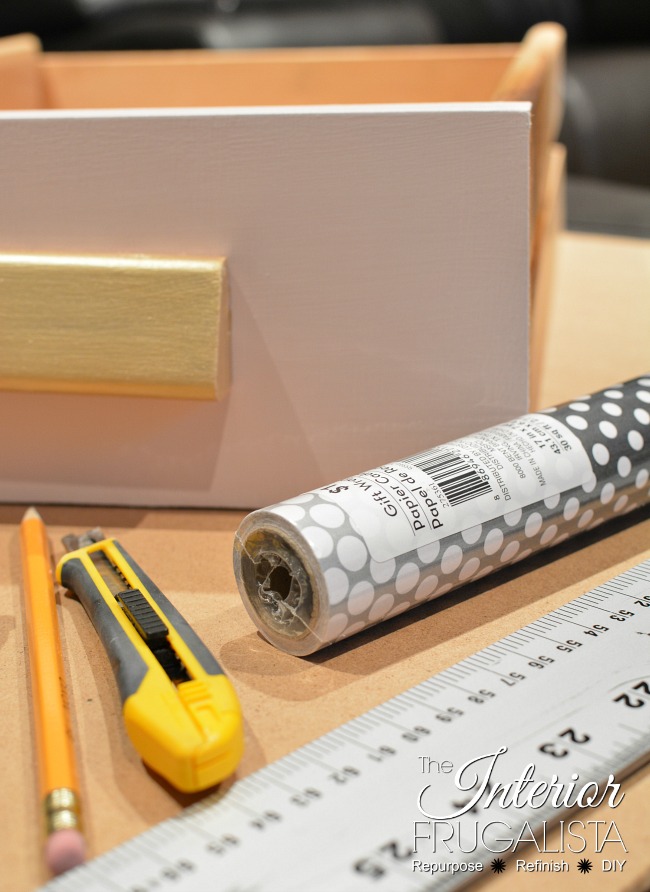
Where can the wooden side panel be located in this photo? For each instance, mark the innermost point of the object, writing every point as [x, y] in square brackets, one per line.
[20, 74]
[549, 223]
[275, 77]
[143, 326]
[537, 76]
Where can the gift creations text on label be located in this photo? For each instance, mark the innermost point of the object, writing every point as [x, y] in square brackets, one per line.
[453, 488]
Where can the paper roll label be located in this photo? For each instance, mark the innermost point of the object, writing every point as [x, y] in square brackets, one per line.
[453, 488]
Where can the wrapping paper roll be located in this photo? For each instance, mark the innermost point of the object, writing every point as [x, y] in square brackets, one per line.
[328, 563]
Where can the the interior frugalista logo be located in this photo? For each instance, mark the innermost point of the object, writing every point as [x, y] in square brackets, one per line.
[487, 815]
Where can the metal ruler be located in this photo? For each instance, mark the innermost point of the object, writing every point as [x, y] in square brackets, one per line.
[568, 694]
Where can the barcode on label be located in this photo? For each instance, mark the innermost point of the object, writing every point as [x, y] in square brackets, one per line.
[458, 480]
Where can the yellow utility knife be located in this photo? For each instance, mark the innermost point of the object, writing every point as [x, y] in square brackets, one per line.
[181, 712]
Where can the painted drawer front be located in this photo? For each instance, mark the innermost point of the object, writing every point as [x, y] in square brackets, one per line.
[378, 264]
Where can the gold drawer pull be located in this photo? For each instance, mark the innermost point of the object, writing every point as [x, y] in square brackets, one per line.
[121, 325]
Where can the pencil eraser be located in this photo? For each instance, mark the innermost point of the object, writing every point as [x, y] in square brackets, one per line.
[64, 850]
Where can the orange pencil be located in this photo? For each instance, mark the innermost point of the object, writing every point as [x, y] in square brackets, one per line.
[65, 847]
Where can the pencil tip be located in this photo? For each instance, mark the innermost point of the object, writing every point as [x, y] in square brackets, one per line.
[32, 514]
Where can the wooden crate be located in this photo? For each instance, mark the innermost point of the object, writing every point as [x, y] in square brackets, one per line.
[531, 71]
[332, 372]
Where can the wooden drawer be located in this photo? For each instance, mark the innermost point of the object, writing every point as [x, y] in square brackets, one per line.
[373, 210]
[532, 71]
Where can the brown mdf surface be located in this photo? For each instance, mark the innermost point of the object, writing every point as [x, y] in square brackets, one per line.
[597, 318]
[286, 700]
[119, 325]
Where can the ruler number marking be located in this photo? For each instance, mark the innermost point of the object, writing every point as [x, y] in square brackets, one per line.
[559, 751]
[171, 872]
[511, 679]
[392, 850]
[636, 697]
[222, 845]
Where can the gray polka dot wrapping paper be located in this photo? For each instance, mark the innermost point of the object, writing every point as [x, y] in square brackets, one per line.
[326, 564]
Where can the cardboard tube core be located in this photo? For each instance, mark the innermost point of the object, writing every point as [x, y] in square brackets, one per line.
[278, 585]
